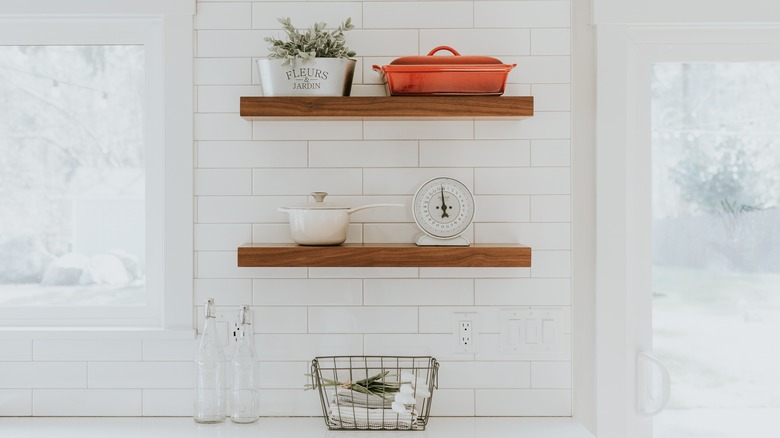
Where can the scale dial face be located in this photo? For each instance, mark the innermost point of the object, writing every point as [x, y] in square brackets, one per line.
[443, 207]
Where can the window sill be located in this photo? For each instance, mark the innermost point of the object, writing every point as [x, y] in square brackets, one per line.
[94, 333]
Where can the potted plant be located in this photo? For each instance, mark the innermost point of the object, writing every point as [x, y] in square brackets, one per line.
[315, 62]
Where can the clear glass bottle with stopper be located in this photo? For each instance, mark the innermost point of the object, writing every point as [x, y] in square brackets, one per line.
[210, 398]
[245, 398]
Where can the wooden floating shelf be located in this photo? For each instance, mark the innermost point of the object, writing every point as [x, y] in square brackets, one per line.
[384, 255]
[394, 106]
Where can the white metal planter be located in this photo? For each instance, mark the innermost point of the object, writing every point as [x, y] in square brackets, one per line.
[312, 77]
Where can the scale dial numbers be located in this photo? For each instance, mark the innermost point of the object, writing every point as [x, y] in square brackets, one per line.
[443, 208]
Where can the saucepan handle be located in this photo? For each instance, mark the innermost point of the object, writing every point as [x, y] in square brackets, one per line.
[352, 210]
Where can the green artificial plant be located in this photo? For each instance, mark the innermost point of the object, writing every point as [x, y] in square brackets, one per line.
[315, 42]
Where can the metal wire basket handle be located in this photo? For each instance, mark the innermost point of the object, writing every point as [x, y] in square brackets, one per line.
[435, 373]
[313, 374]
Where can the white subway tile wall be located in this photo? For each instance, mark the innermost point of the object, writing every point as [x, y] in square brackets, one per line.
[518, 169]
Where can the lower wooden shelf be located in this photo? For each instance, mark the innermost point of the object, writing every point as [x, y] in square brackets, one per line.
[385, 255]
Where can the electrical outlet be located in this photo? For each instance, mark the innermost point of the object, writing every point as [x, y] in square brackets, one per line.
[465, 331]
[235, 332]
[465, 339]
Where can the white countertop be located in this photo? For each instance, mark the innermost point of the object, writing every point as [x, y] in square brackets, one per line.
[174, 427]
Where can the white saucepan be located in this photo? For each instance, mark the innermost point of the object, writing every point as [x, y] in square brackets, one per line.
[322, 223]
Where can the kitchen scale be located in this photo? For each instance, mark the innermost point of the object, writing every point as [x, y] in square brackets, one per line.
[443, 208]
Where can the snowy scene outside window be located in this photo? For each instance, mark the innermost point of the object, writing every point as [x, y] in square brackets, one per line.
[72, 179]
[716, 246]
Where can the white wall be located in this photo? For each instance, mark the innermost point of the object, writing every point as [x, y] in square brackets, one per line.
[685, 11]
[519, 171]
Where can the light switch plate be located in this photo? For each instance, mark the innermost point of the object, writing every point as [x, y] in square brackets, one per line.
[530, 330]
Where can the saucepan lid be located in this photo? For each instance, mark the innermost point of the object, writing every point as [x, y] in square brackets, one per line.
[318, 204]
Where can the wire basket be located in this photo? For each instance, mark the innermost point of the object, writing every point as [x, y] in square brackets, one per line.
[375, 392]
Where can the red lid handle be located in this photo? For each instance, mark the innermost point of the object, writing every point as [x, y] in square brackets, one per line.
[447, 48]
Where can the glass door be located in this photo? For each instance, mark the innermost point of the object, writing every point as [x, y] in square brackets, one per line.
[715, 181]
[688, 234]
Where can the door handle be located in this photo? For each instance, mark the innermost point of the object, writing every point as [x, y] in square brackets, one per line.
[649, 399]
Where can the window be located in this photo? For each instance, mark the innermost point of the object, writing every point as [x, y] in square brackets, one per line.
[89, 179]
[687, 205]
[716, 264]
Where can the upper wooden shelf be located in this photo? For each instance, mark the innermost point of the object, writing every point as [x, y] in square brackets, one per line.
[394, 106]
[384, 255]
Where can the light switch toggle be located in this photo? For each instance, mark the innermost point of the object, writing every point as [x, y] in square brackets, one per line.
[531, 331]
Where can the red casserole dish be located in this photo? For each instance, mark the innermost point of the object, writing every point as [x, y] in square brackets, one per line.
[445, 75]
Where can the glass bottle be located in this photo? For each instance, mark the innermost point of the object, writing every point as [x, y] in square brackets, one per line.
[210, 372]
[245, 400]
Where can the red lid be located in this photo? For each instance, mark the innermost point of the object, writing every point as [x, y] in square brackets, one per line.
[457, 59]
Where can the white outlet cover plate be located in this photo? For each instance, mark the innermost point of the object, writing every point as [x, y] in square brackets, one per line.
[456, 319]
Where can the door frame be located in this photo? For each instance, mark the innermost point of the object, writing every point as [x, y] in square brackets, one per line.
[623, 323]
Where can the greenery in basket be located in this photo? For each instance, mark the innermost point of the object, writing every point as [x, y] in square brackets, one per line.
[402, 393]
[315, 42]
[374, 385]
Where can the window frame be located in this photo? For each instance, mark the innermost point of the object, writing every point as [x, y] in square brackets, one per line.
[165, 28]
[623, 194]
